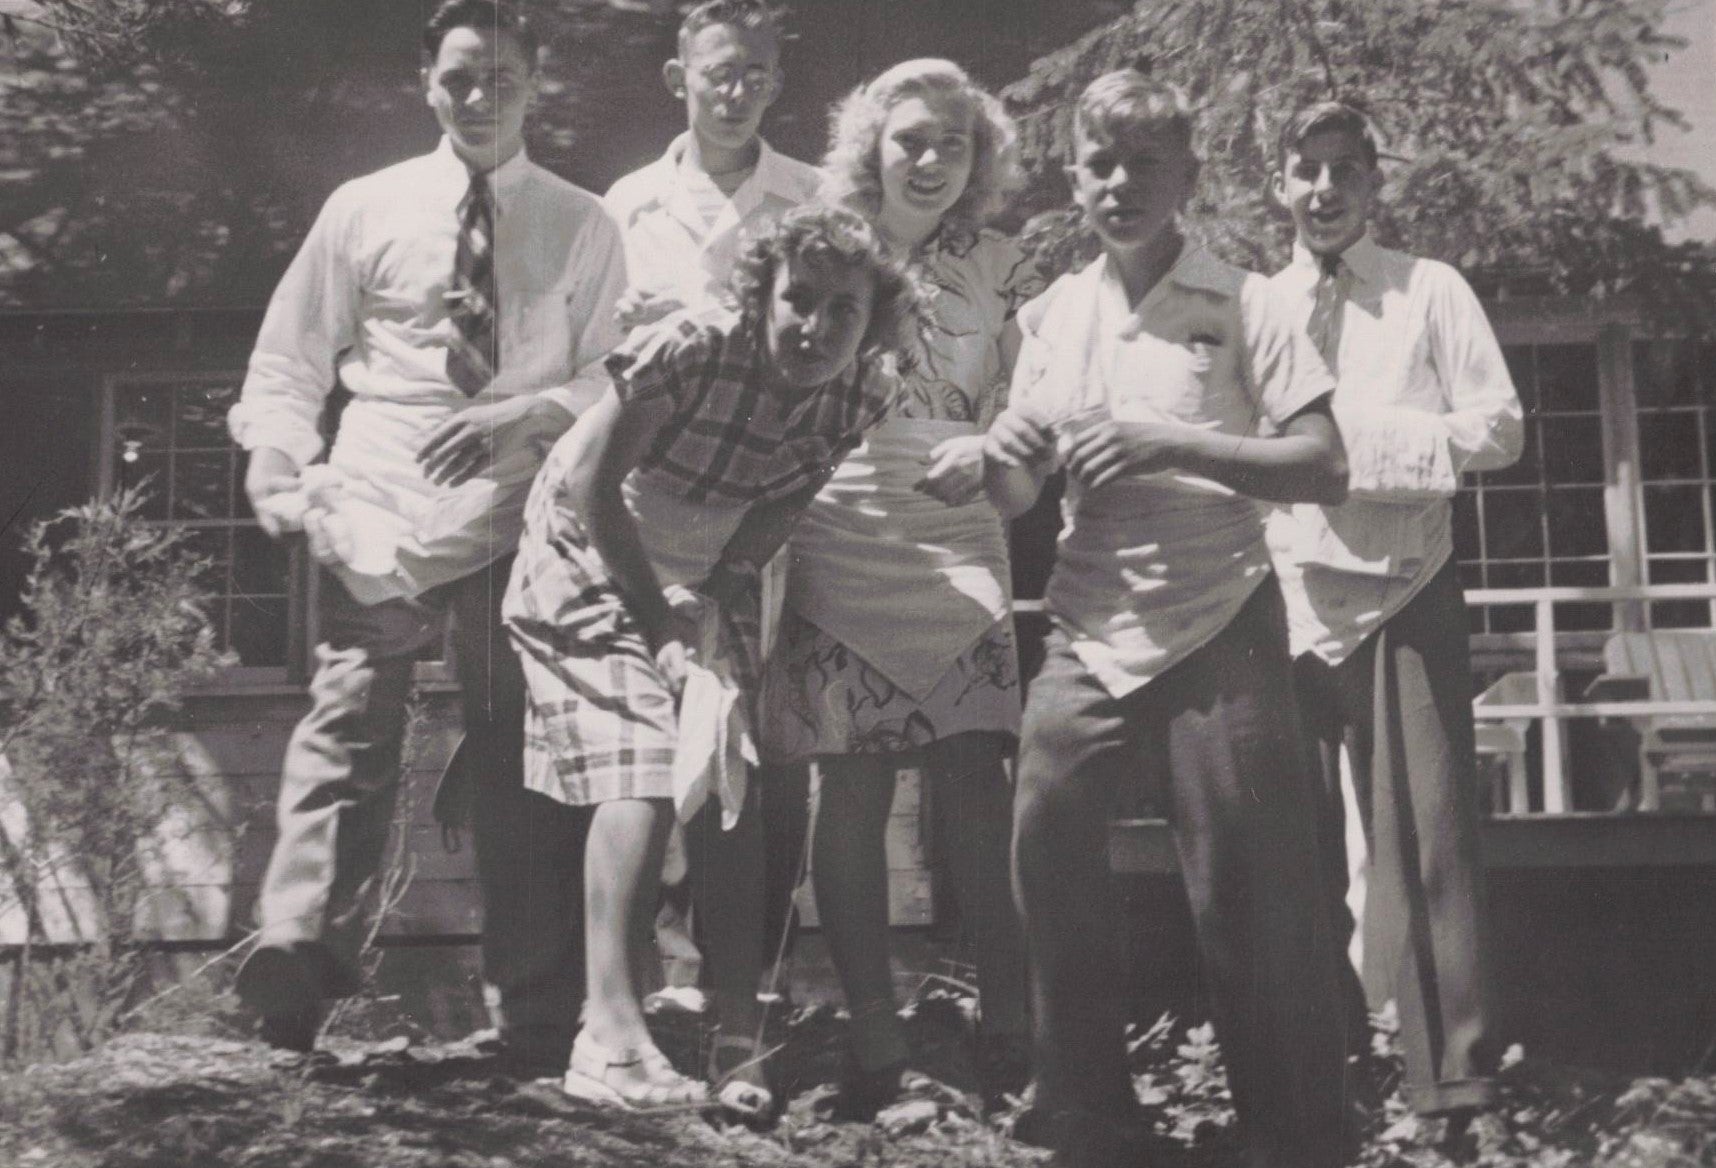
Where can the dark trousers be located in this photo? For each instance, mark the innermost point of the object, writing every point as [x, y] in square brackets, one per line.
[1243, 814]
[1402, 705]
[340, 784]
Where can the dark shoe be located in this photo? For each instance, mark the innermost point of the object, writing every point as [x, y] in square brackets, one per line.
[283, 985]
[1085, 1139]
[1469, 1134]
[525, 1058]
[862, 1093]
[1003, 1065]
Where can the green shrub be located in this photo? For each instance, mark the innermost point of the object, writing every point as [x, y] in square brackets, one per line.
[112, 632]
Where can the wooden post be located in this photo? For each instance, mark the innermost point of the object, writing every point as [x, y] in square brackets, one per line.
[1623, 497]
[1549, 694]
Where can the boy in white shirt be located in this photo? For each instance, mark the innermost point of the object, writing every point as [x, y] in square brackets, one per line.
[684, 218]
[1171, 387]
[685, 214]
[1377, 620]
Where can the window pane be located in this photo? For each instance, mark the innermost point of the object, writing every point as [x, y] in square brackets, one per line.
[259, 629]
[1674, 519]
[1567, 377]
[1664, 373]
[1576, 526]
[1680, 614]
[1573, 450]
[1466, 544]
[1513, 524]
[150, 471]
[1596, 616]
[1514, 618]
[259, 564]
[201, 486]
[1522, 364]
[144, 414]
[1669, 446]
[202, 416]
[214, 545]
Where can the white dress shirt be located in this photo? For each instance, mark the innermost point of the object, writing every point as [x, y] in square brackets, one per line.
[675, 245]
[364, 300]
[1423, 394]
[1150, 567]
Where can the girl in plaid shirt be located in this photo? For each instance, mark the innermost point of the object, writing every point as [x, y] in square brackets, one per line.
[719, 429]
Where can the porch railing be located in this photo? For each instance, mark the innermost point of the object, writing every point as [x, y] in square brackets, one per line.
[1549, 709]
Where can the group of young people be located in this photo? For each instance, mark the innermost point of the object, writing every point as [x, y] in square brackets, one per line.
[709, 481]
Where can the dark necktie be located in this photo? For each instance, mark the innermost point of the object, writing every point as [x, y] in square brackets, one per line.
[473, 359]
[1333, 283]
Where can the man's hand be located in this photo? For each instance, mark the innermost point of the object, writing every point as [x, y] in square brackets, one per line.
[955, 474]
[638, 307]
[1106, 449]
[1020, 437]
[464, 444]
[271, 472]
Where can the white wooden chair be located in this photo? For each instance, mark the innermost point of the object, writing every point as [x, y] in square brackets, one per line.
[1669, 665]
[1504, 739]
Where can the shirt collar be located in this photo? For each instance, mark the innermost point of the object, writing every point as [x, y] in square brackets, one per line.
[502, 178]
[1362, 258]
[771, 176]
[1195, 270]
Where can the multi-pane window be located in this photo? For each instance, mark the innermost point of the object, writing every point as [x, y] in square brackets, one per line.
[169, 434]
[1541, 521]
[1675, 386]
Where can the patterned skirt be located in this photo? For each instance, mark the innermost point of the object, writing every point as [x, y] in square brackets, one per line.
[820, 697]
[601, 721]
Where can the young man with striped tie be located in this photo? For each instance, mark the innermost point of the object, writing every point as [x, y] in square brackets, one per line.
[1375, 613]
[456, 295]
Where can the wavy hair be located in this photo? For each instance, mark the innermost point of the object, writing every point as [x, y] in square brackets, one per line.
[830, 234]
[852, 167]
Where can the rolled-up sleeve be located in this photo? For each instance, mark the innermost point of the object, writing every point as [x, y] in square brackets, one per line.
[595, 330]
[311, 320]
[1398, 453]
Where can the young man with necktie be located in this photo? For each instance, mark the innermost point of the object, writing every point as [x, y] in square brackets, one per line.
[1377, 620]
[456, 296]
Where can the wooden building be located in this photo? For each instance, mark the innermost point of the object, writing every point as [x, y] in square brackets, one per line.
[1606, 890]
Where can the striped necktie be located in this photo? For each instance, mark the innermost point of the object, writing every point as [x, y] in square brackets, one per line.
[1333, 284]
[473, 358]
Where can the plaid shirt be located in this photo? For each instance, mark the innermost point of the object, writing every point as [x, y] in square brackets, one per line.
[600, 722]
[730, 437]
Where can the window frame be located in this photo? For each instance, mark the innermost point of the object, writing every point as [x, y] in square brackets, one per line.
[1612, 328]
[301, 583]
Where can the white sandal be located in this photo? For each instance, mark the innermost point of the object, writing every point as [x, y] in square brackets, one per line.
[637, 1077]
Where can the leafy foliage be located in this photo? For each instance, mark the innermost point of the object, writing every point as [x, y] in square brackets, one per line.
[1514, 129]
[111, 635]
[182, 161]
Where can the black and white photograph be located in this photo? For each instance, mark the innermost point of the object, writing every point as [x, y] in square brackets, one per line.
[736, 584]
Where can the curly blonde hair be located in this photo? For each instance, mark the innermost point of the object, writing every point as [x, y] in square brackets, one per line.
[852, 166]
[832, 234]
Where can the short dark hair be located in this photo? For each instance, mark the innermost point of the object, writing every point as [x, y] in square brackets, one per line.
[1325, 117]
[483, 15]
[749, 14]
[1127, 101]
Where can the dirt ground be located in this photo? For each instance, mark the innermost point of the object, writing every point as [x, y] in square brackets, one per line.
[163, 1101]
